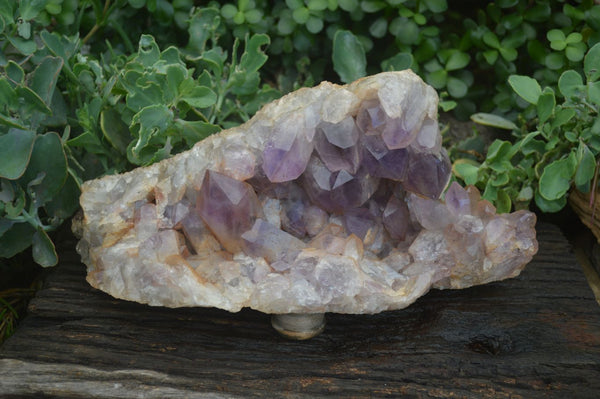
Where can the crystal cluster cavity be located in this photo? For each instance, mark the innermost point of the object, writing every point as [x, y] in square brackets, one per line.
[327, 200]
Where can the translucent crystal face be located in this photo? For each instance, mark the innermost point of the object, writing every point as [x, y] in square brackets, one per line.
[328, 204]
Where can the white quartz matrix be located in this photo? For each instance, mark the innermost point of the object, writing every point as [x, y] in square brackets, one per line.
[327, 200]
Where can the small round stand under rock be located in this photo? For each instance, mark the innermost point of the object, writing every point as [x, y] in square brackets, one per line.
[298, 325]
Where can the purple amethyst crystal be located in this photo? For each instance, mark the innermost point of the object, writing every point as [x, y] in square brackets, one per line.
[337, 146]
[287, 152]
[396, 218]
[228, 207]
[427, 174]
[383, 162]
[337, 191]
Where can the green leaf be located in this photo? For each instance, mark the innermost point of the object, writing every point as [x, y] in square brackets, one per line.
[15, 152]
[301, 15]
[29, 9]
[148, 51]
[466, 170]
[26, 47]
[555, 35]
[254, 56]
[399, 62]
[570, 83]
[591, 63]
[438, 79]
[436, 6]
[349, 59]
[549, 206]
[31, 101]
[15, 72]
[530, 145]
[202, 26]
[491, 39]
[575, 53]
[456, 87]
[503, 202]
[508, 53]
[44, 253]
[16, 239]
[587, 165]
[499, 150]
[491, 56]
[114, 129]
[457, 60]
[48, 159]
[556, 178]
[527, 88]
[66, 201]
[555, 61]
[546, 104]
[594, 92]
[60, 46]
[497, 121]
[562, 117]
[153, 120]
[200, 97]
[194, 131]
[45, 76]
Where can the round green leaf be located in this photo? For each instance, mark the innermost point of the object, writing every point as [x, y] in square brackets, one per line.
[16, 239]
[591, 63]
[456, 87]
[378, 29]
[348, 5]
[253, 16]
[587, 165]
[349, 60]
[556, 179]
[314, 24]
[569, 83]
[15, 151]
[44, 253]
[575, 53]
[301, 15]
[436, 6]
[437, 79]
[466, 170]
[398, 62]
[554, 35]
[317, 5]
[549, 206]
[594, 92]
[48, 159]
[574, 37]
[527, 88]
[228, 11]
[554, 61]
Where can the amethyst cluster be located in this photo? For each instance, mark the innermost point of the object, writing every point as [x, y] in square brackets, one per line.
[327, 200]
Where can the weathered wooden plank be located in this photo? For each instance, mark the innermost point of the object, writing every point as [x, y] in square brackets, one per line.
[534, 336]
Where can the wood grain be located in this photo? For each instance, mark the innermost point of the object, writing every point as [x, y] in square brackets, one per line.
[534, 336]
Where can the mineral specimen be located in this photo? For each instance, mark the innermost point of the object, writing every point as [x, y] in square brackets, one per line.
[326, 201]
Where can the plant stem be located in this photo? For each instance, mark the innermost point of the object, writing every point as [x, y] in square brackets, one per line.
[99, 22]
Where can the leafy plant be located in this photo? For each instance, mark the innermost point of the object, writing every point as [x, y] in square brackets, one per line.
[67, 115]
[546, 160]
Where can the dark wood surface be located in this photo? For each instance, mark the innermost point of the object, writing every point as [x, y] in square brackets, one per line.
[534, 336]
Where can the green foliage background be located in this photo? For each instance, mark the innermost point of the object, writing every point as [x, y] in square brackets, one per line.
[93, 87]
